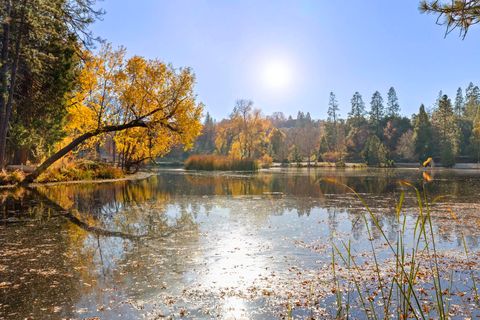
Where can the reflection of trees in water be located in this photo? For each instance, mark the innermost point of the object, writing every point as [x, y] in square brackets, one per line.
[304, 183]
[380, 190]
[35, 274]
[59, 261]
[165, 210]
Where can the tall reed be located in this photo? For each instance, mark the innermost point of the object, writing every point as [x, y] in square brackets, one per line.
[400, 293]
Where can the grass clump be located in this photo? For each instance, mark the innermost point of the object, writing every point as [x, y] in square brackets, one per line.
[220, 163]
[12, 177]
[80, 170]
[397, 289]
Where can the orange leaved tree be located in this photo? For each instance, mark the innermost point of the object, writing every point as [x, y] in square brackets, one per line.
[149, 105]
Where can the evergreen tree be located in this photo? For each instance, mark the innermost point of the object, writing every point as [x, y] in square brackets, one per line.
[422, 135]
[333, 108]
[459, 103]
[375, 152]
[464, 125]
[358, 106]
[38, 39]
[331, 127]
[300, 119]
[453, 14]
[446, 132]
[393, 108]
[308, 118]
[475, 138]
[472, 101]
[437, 101]
[206, 141]
[356, 138]
[377, 113]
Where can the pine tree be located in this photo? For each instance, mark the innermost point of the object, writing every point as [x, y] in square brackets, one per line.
[333, 116]
[205, 143]
[437, 101]
[454, 15]
[459, 103]
[464, 125]
[375, 152]
[475, 138]
[358, 106]
[308, 117]
[38, 38]
[472, 101]
[333, 108]
[300, 119]
[377, 112]
[422, 135]
[393, 108]
[446, 131]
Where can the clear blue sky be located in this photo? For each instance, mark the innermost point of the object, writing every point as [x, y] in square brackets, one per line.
[340, 46]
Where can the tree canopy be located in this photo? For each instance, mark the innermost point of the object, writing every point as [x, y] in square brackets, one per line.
[148, 106]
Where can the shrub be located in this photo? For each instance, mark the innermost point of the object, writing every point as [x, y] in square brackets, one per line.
[13, 177]
[109, 173]
[17, 176]
[80, 170]
[266, 161]
[220, 163]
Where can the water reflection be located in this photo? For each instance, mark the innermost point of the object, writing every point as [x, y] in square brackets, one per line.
[197, 244]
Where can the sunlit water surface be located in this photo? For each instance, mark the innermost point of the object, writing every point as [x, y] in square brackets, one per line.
[209, 245]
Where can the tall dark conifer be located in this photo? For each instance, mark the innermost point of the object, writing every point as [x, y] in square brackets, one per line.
[422, 135]
[393, 108]
[377, 113]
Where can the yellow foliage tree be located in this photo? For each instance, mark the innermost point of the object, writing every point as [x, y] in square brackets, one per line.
[148, 106]
[246, 134]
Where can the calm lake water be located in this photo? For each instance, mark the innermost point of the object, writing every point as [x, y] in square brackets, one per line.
[213, 245]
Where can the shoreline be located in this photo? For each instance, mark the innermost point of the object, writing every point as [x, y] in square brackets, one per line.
[141, 175]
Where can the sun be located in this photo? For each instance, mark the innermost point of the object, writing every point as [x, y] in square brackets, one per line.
[277, 74]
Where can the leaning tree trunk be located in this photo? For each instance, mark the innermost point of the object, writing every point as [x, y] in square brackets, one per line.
[75, 143]
[57, 156]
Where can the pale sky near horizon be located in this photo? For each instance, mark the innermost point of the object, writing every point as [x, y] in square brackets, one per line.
[287, 55]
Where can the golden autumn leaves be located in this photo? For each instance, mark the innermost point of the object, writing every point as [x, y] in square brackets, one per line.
[245, 135]
[156, 98]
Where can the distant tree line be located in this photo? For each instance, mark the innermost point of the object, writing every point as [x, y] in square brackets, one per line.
[377, 135]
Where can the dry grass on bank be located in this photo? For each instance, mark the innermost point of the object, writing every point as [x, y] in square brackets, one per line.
[68, 170]
[220, 163]
[12, 177]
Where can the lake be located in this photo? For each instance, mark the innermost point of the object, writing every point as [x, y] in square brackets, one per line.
[227, 245]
